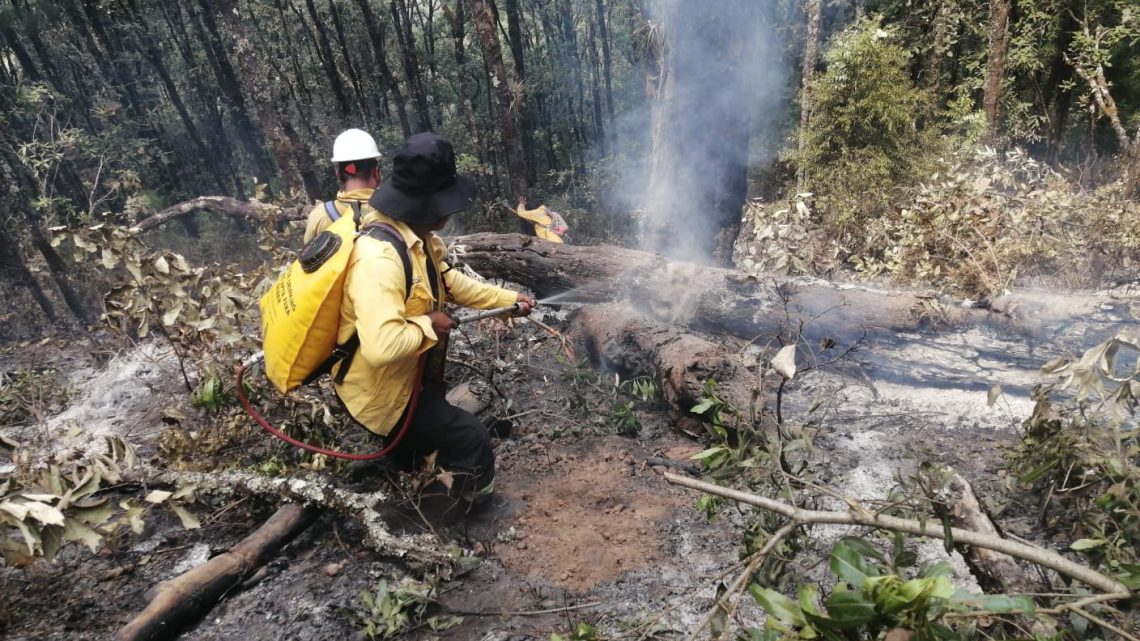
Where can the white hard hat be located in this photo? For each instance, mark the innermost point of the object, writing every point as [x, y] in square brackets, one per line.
[354, 144]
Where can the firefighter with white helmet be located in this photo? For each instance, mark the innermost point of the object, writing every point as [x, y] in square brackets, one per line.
[357, 162]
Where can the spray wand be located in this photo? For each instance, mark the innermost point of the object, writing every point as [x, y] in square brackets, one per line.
[490, 313]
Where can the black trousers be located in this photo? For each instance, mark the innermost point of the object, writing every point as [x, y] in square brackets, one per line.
[461, 440]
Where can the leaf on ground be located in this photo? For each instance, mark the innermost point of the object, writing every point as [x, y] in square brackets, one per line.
[158, 496]
[44, 513]
[785, 362]
[993, 395]
[189, 521]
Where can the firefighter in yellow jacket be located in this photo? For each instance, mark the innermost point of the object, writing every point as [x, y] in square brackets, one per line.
[396, 327]
[357, 162]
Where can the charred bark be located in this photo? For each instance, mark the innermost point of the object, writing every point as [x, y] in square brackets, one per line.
[706, 298]
[376, 38]
[457, 19]
[953, 498]
[621, 338]
[607, 64]
[246, 211]
[807, 76]
[325, 57]
[407, 44]
[995, 66]
[181, 600]
[485, 27]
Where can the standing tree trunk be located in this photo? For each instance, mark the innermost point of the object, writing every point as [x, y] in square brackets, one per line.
[349, 61]
[407, 44]
[485, 27]
[939, 42]
[203, 18]
[596, 89]
[291, 152]
[995, 66]
[710, 67]
[376, 37]
[807, 76]
[1058, 93]
[328, 62]
[456, 20]
[526, 116]
[607, 63]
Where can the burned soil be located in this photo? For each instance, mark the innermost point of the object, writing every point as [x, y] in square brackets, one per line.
[598, 537]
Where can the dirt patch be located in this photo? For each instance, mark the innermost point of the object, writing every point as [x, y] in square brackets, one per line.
[583, 524]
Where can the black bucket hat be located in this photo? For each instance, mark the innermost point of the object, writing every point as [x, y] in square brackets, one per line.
[424, 186]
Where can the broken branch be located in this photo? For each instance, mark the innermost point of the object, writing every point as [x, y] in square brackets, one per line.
[356, 505]
[1032, 553]
[184, 598]
[242, 209]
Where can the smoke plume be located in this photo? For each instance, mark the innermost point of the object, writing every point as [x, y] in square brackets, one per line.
[719, 83]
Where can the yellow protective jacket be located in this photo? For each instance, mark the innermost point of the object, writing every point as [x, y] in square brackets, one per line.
[393, 333]
[545, 225]
[319, 220]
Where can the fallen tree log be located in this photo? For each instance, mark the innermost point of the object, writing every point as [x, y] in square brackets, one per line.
[619, 337]
[703, 297]
[954, 499]
[247, 210]
[183, 599]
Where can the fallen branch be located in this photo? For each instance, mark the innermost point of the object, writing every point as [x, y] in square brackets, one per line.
[858, 516]
[728, 601]
[523, 613]
[249, 210]
[356, 505]
[183, 599]
[954, 499]
[1104, 624]
[684, 466]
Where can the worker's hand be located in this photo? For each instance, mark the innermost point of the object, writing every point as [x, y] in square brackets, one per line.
[526, 303]
[441, 323]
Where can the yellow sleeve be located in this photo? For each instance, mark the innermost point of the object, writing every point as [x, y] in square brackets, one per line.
[375, 288]
[469, 292]
[317, 222]
[537, 215]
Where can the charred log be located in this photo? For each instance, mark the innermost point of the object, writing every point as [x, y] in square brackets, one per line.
[619, 337]
[176, 602]
[954, 499]
[706, 298]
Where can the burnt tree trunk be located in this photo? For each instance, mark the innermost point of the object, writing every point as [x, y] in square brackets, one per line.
[349, 61]
[607, 63]
[700, 137]
[183, 599]
[807, 76]
[376, 38]
[526, 117]
[403, 23]
[486, 29]
[995, 66]
[619, 337]
[702, 297]
[457, 21]
[328, 62]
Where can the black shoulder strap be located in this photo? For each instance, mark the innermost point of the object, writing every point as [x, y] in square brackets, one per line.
[384, 231]
[355, 204]
[345, 352]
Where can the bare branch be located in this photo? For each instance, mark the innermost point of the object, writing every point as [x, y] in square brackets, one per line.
[243, 209]
[1032, 553]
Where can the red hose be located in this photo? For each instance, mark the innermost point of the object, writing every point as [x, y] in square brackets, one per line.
[260, 420]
